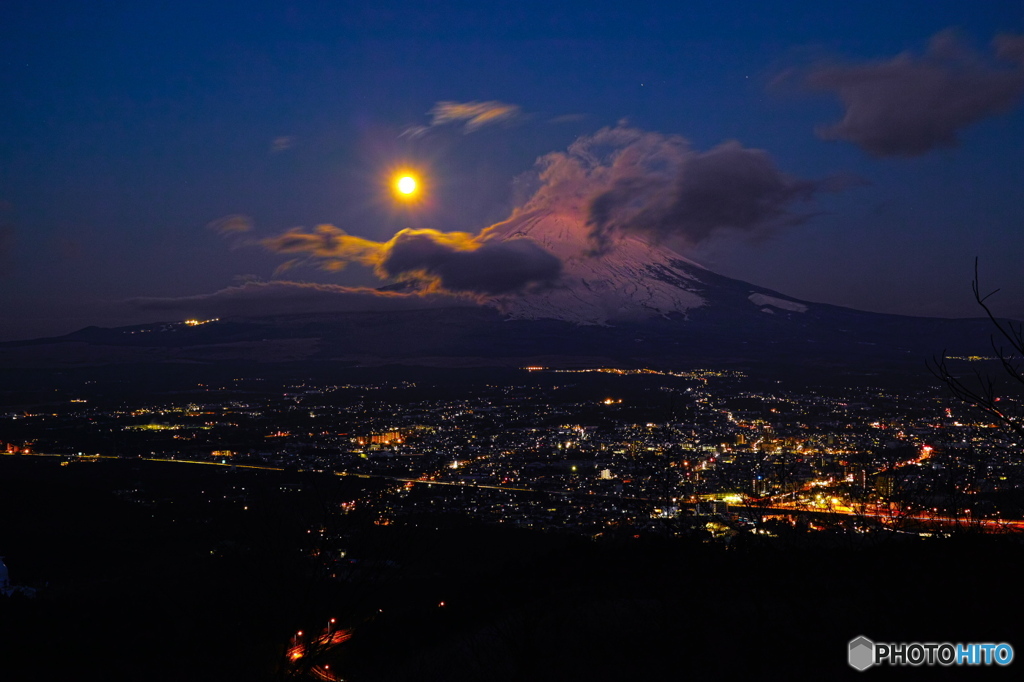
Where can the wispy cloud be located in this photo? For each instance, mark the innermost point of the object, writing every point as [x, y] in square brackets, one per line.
[282, 143]
[280, 297]
[471, 116]
[231, 225]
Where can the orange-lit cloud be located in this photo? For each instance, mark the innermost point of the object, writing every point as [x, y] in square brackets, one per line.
[329, 247]
[472, 116]
[475, 114]
[231, 224]
[438, 261]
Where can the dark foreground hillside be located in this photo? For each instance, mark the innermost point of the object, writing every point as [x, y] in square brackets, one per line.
[731, 332]
[160, 571]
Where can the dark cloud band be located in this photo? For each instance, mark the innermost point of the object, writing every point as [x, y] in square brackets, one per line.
[440, 261]
[281, 297]
[909, 105]
[497, 267]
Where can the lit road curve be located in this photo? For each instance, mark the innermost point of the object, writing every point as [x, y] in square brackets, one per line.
[888, 516]
[320, 645]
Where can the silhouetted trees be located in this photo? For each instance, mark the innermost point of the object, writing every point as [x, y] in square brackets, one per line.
[982, 390]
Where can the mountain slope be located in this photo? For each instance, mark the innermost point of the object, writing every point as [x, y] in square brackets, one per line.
[636, 280]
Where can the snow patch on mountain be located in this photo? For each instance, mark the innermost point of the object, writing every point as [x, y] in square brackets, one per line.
[762, 300]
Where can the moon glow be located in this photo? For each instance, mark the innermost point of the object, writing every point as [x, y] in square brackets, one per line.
[406, 185]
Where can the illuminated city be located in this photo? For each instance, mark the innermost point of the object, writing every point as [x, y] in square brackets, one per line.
[723, 451]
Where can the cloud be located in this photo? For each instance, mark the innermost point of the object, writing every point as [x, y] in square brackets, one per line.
[910, 105]
[475, 114]
[231, 225]
[626, 180]
[439, 261]
[327, 246]
[282, 143]
[283, 297]
[413, 132]
[496, 267]
[472, 115]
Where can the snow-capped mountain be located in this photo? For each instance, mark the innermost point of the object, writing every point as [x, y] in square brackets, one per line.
[634, 280]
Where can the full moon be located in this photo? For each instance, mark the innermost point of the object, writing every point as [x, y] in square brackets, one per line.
[406, 185]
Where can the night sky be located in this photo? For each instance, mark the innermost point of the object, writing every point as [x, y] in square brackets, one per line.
[158, 150]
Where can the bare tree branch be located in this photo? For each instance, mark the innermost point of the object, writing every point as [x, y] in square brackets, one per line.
[982, 393]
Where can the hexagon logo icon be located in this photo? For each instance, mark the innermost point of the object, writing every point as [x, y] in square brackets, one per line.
[862, 653]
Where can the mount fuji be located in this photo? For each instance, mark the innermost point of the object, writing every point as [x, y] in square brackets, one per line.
[634, 281]
[638, 303]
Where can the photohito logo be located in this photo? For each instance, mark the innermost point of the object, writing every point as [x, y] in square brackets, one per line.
[863, 653]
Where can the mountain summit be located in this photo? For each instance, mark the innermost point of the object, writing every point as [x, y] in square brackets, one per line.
[632, 281]
[635, 280]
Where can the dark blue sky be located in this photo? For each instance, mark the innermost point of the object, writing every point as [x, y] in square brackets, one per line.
[127, 128]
